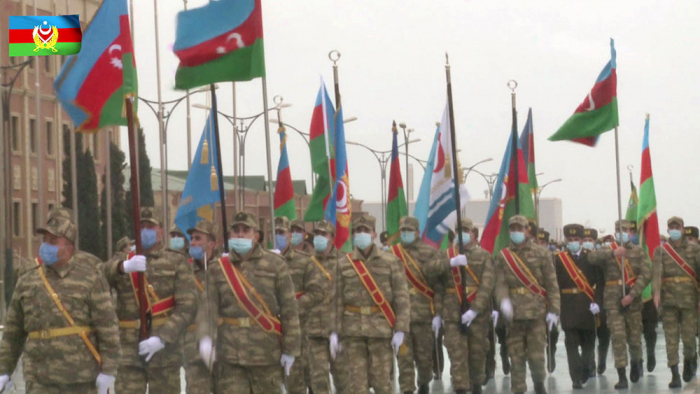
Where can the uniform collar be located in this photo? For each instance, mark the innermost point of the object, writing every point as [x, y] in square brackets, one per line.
[332, 254]
[64, 269]
[358, 255]
[255, 254]
[525, 245]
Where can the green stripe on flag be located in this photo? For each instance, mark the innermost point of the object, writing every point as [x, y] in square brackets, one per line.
[27, 49]
[395, 210]
[287, 210]
[588, 124]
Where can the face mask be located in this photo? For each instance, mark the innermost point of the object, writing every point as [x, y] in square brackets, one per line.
[132, 248]
[197, 253]
[552, 248]
[675, 234]
[408, 237]
[320, 243]
[385, 248]
[517, 237]
[177, 243]
[588, 245]
[607, 244]
[48, 253]
[466, 238]
[597, 246]
[625, 237]
[297, 238]
[240, 245]
[148, 238]
[281, 241]
[574, 247]
[363, 240]
[634, 239]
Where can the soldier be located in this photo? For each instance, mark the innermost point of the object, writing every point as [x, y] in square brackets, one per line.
[309, 288]
[384, 240]
[373, 307]
[61, 319]
[543, 238]
[590, 243]
[299, 237]
[624, 314]
[418, 346]
[252, 312]
[527, 291]
[178, 242]
[691, 234]
[577, 278]
[535, 234]
[125, 245]
[172, 298]
[675, 267]
[202, 253]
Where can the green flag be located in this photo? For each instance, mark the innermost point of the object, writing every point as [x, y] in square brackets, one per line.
[631, 214]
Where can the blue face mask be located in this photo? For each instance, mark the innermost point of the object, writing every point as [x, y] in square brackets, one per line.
[240, 245]
[408, 237]
[551, 248]
[177, 243]
[197, 253]
[625, 237]
[634, 239]
[48, 253]
[675, 235]
[133, 248]
[588, 245]
[281, 241]
[148, 238]
[363, 240]
[297, 239]
[466, 238]
[320, 243]
[574, 247]
[597, 246]
[517, 237]
[608, 244]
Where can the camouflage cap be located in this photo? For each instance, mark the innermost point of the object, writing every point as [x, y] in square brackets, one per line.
[409, 223]
[298, 223]
[365, 220]
[149, 214]
[543, 236]
[245, 218]
[59, 227]
[203, 226]
[625, 224]
[692, 231]
[60, 212]
[633, 225]
[282, 223]
[325, 226]
[467, 224]
[176, 230]
[676, 219]
[608, 238]
[518, 219]
[124, 242]
[590, 233]
[308, 237]
[573, 230]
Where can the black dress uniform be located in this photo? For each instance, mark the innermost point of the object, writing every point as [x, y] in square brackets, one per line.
[602, 332]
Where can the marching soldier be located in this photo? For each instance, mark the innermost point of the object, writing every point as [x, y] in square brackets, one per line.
[590, 239]
[527, 291]
[298, 237]
[624, 313]
[691, 234]
[172, 298]
[576, 278]
[309, 288]
[252, 312]
[62, 320]
[125, 245]
[675, 267]
[178, 242]
[543, 238]
[373, 307]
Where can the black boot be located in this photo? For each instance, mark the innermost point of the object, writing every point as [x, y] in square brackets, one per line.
[634, 371]
[476, 389]
[675, 378]
[424, 389]
[577, 385]
[622, 376]
[689, 367]
[641, 368]
[601, 364]
[460, 391]
[651, 359]
[539, 388]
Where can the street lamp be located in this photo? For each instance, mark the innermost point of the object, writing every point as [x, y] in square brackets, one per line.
[537, 200]
[406, 133]
[469, 169]
[490, 180]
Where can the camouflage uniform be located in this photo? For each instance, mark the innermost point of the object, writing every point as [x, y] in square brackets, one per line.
[365, 335]
[123, 243]
[53, 361]
[527, 333]
[247, 357]
[169, 274]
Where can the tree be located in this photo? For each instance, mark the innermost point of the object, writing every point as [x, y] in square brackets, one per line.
[145, 186]
[120, 221]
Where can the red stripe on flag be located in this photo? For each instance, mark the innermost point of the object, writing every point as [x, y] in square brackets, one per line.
[24, 36]
[395, 180]
[603, 93]
[646, 167]
[283, 189]
[317, 126]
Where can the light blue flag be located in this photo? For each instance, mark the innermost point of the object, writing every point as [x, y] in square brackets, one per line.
[423, 202]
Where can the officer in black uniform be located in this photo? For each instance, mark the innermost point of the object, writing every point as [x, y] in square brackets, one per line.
[691, 234]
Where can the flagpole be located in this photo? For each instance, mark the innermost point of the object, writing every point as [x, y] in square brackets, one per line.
[334, 55]
[189, 120]
[39, 134]
[220, 180]
[512, 84]
[161, 132]
[108, 189]
[235, 149]
[74, 188]
[619, 205]
[271, 192]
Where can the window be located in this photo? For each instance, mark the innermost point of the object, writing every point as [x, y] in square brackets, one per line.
[16, 135]
[16, 215]
[47, 64]
[12, 60]
[66, 128]
[51, 206]
[32, 135]
[49, 137]
[35, 217]
[96, 146]
[51, 175]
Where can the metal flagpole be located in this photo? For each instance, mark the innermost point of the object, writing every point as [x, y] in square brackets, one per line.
[74, 187]
[161, 132]
[512, 84]
[108, 189]
[334, 55]
[235, 150]
[189, 121]
[39, 135]
[271, 192]
[222, 194]
[619, 207]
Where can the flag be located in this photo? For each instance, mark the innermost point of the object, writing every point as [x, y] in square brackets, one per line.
[92, 85]
[631, 214]
[396, 203]
[284, 192]
[44, 35]
[598, 111]
[201, 188]
[527, 141]
[339, 208]
[221, 41]
[496, 236]
[436, 207]
[321, 150]
[647, 219]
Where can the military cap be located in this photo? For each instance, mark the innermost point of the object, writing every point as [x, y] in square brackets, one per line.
[124, 242]
[325, 226]
[676, 219]
[518, 219]
[149, 214]
[245, 218]
[590, 233]
[573, 230]
[383, 237]
[543, 235]
[365, 220]
[203, 226]
[467, 225]
[609, 238]
[308, 237]
[692, 231]
[409, 222]
[625, 224]
[633, 225]
[298, 223]
[60, 212]
[176, 230]
[59, 227]
[282, 223]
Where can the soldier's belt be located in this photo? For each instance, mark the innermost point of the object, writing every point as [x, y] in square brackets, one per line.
[362, 310]
[614, 282]
[136, 324]
[678, 279]
[60, 332]
[240, 322]
[468, 289]
[574, 290]
[520, 290]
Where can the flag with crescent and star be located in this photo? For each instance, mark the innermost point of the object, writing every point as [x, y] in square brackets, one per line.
[44, 35]
[339, 207]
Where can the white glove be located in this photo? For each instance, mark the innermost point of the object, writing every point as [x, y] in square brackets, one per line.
[468, 317]
[552, 320]
[507, 309]
[103, 382]
[150, 346]
[135, 264]
[595, 309]
[494, 317]
[458, 261]
[437, 323]
[224, 254]
[5, 383]
[287, 361]
[396, 341]
[207, 351]
[334, 345]
[276, 251]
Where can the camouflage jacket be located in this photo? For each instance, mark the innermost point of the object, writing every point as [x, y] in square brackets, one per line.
[390, 277]
[638, 259]
[674, 293]
[191, 344]
[84, 293]
[170, 274]
[528, 306]
[249, 344]
[319, 318]
[307, 281]
[422, 307]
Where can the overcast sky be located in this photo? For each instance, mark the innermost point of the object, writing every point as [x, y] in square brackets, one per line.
[392, 67]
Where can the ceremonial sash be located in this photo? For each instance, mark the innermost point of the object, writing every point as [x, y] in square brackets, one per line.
[457, 277]
[323, 269]
[419, 283]
[157, 306]
[630, 278]
[198, 282]
[241, 288]
[681, 263]
[299, 294]
[523, 273]
[374, 291]
[576, 275]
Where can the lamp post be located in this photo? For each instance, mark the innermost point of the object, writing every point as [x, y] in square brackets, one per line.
[469, 169]
[490, 180]
[537, 200]
[406, 134]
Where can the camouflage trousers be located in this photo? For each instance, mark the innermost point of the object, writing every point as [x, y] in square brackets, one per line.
[526, 342]
[318, 357]
[457, 345]
[364, 363]
[198, 378]
[76, 388]
[478, 347]
[299, 379]
[679, 324]
[418, 346]
[625, 329]
[258, 379]
[131, 379]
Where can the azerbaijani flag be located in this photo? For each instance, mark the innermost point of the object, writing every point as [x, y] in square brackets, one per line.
[647, 219]
[339, 208]
[45, 35]
[598, 111]
[396, 203]
[284, 192]
[632, 204]
[92, 85]
[527, 141]
[221, 41]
